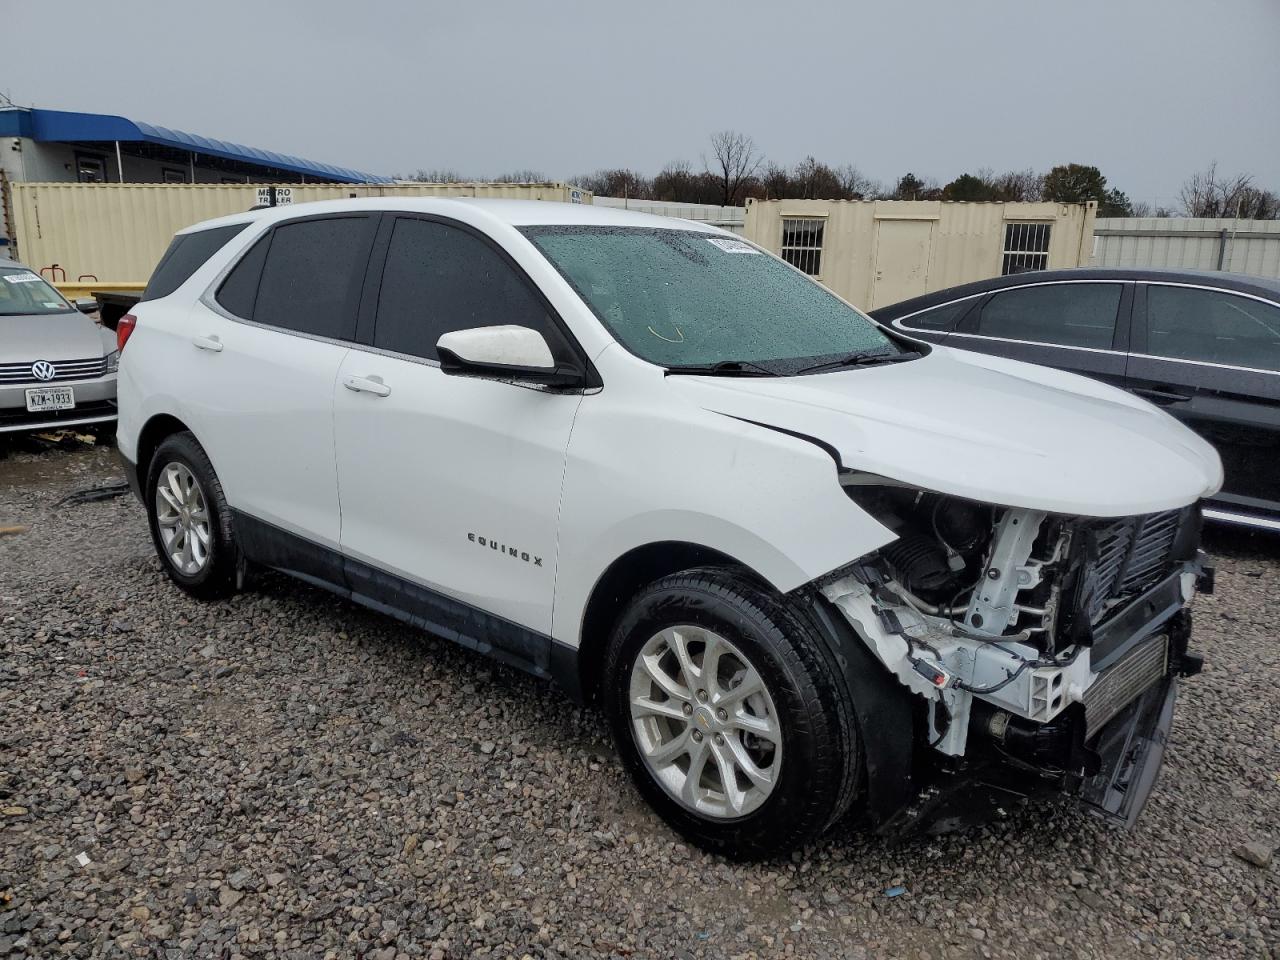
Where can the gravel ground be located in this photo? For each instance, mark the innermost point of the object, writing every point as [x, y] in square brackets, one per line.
[285, 774]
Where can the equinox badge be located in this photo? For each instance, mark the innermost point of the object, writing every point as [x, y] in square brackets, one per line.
[504, 549]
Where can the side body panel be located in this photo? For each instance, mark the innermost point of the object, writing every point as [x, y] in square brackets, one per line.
[262, 408]
[454, 482]
[645, 466]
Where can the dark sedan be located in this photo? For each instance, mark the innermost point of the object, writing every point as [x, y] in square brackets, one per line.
[1203, 346]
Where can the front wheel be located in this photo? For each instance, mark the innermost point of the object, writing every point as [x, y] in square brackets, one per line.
[189, 518]
[730, 714]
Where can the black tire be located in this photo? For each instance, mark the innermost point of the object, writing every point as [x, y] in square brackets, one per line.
[217, 579]
[104, 435]
[821, 762]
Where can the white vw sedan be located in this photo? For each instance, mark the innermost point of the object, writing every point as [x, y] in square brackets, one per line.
[808, 566]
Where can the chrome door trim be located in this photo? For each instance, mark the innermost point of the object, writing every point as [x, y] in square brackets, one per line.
[1205, 363]
[1210, 287]
[1040, 343]
[1241, 519]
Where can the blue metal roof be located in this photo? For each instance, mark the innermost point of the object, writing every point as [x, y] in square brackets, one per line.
[60, 126]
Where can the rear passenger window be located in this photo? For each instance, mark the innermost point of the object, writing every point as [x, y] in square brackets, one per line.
[1212, 326]
[312, 276]
[187, 253]
[941, 318]
[440, 278]
[1063, 314]
[239, 291]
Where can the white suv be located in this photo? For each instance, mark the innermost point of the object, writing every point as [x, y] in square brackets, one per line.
[807, 566]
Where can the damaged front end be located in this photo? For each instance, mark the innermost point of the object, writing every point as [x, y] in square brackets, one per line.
[1043, 650]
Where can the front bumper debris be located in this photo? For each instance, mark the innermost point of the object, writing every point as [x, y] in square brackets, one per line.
[1101, 740]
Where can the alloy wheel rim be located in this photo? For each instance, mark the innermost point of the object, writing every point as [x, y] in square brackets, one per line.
[704, 722]
[183, 518]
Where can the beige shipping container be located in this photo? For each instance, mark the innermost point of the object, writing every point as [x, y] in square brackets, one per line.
[877, 252]
[116, 232]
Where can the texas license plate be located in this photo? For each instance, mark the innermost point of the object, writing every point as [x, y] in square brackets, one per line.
[44, 399]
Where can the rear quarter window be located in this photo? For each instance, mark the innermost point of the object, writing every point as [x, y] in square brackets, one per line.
[941, 319]
[187, 253]
[239, 291]
[312, 276]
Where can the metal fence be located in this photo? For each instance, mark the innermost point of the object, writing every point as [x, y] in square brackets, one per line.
[1237, 246]
[730, 218]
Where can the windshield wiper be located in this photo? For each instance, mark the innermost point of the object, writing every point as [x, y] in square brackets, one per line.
[725, 368]
[860, 360]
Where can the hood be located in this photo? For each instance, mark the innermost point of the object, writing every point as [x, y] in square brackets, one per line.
[984, 428]
[51, 336]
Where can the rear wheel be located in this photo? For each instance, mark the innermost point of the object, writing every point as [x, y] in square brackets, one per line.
[730, 715]
[189, 518]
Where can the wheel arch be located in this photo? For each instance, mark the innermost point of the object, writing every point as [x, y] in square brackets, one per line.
[152, 434]
[621, 581]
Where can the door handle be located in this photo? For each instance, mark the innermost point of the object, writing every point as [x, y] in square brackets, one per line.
[372, 385]
[1162, 397]
[210, 343]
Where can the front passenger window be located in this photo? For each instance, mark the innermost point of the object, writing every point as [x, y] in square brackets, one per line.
[440, 278]
[1212, 326]
[1062, 314]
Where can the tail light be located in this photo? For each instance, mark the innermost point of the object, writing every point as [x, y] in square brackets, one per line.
[124, 329]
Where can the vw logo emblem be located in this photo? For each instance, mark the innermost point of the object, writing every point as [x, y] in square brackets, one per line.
[43, 370]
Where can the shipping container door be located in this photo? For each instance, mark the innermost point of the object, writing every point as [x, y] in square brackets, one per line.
[902, 260]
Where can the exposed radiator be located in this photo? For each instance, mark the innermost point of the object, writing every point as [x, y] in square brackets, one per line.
[1144, 665]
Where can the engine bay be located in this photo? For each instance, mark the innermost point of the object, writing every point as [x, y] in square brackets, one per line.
[1005, 612]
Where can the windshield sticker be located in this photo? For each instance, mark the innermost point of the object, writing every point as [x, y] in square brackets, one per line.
[21, 278]
[53, 306]
[731, 246]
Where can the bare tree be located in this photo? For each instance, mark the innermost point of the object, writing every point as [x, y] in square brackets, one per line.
[1018, 186]
[736, 160]
[522, 176]
[619, 182]
[856, 185]
[1209, 194]
[675, 182]
[436, 176]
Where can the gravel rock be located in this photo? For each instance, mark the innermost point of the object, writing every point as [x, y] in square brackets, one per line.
[247, 815]
[1256, 852]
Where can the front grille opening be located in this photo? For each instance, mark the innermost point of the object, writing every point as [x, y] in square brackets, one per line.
[1129, 555]
[21, 373]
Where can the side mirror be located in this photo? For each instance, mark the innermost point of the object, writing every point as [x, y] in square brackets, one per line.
[86, 304]
[511, 352]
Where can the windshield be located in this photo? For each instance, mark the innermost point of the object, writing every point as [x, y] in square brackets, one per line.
[23, 292]
[680, 299]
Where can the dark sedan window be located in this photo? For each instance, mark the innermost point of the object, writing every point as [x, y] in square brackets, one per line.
[1062, 314]
[1212, 326]
[941, 318]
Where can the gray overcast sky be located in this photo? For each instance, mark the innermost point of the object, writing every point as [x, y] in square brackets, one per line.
[1149, 91]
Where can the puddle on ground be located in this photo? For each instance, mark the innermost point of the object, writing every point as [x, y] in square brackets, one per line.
[34, 465]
